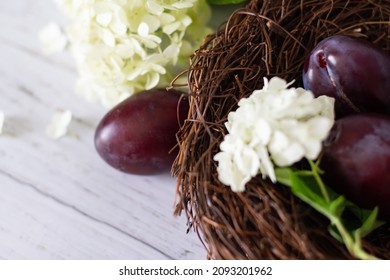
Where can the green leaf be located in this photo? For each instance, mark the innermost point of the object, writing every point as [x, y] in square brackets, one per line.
[370, 222]
[283, 175]
[337, 206]
[225, 2]
[306, 191]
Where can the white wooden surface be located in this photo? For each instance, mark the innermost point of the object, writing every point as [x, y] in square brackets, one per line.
[58, 199]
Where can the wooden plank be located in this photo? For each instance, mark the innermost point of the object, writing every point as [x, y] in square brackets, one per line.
[58, 199]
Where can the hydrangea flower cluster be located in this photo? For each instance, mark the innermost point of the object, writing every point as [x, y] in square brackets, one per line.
[125, 46]
[276, 125]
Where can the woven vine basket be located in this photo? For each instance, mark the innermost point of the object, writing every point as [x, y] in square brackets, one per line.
[264, 39]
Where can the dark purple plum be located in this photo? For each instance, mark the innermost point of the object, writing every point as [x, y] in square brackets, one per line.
[356, 160]
[138, 135]
[353, 71]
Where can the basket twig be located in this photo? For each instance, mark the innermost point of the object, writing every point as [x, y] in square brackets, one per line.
[267, 38]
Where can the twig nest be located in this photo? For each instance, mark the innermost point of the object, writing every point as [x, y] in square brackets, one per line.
[266, 39]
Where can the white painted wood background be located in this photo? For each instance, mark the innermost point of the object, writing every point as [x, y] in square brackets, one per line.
[58, 199]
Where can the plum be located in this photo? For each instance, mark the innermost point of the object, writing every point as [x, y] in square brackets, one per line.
[138, 135]
[356, 160]
[353, 71]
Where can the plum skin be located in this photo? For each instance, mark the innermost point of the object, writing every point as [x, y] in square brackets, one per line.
[138, 135]
[356, 160]
[353, 71]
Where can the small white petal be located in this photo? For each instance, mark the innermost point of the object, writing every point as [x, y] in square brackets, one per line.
[276, 84]
[108, 38]
[312, 149]
[186, 21]
[278, 142]
[143, 29]
[52, 38]
[154, 39]
[319, 127]
[104, 19]
[152, 80]
[327, 106]
[288, 156]
[154, 8]
[266, 166]
[59, 123]
[229, 174]
[171, 51]
[262, 132]
[182, 5]
[153, 23]
[170, 28]
[125, 51]
[134, 73]
[2, 117]
[137, 47]
[166, 18]
[247, 161]
[119, 28]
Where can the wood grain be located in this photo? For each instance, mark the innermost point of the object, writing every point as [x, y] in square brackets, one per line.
[58, 199]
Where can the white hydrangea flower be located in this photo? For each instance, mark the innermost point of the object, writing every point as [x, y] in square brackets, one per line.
[1, 121]
[125, 46]
[59, 123]
[276, 125]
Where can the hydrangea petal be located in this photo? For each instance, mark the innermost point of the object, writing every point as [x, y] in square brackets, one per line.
[2, 118]
[59, 123]
[52, 38]
[153, 23]
[182, 5]
[152, 80]
[266, 166]
[154, 8]
[143, 29]
[104, 19]
[172, 27]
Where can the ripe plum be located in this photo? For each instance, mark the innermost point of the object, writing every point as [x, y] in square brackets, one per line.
[356, 160]
[353, 71]
[137, 135]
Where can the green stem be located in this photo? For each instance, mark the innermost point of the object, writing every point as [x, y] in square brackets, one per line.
[319, 181]
[352, 245]
[332, 206]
